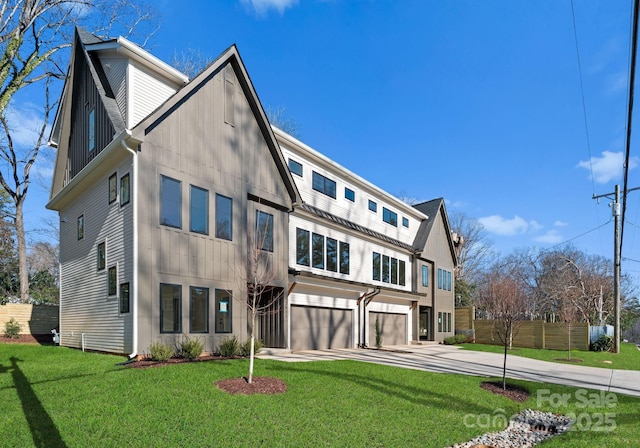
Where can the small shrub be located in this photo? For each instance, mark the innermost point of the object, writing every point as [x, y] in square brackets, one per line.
[12, 329]
[378, 334]
[160, 352]
[190, 348]
[245, 349]
[450, 340]
[229, 347]
[460, 338]
[602, 344]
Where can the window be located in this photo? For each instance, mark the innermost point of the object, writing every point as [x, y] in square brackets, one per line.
[264, 231]
[332, 255]
[102, 263]
[229, 96]
[125, 190]
[113, 188]
[80, 227]
[113, 281]
[124, 298]
[199, 210]
[170, 308]
[91, 130]
[439, 278]
[295, 167]
[349, 194]
[224, 206]
[376, 266]
[448, 321]
[344, 258]
[401, 273]
[373, 206]
[170, 202]
[439, 322]
[302, 247]
[223, 311]
[317, 251]
[389, 217]
[199, 310]
[425, 275]
[405, 222]
[448, 280]
[385, 269]
[324, 185]
[394, 271]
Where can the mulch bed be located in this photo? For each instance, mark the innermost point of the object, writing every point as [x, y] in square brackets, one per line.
[513, 392]
[259, 385]
[569, 360]
[145, 363]
[42, 339]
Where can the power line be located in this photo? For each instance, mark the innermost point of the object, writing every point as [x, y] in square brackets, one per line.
[575, 237]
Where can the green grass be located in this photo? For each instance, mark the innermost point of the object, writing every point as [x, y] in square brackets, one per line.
[54, 396]
[627, 359]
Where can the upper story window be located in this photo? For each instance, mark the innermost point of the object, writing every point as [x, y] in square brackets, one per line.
[326, 253]
[388, 269]
[444, 279]
[389, 217]
[80, 227]
[295, 167]
[373, 206]
[102, 256]
[170, 202]
[317, 251]
[229, 96]
[113, 188]
[344, 258]
[91, 129]
[324, 185]
[349, 194]
[125, 190]
[224, 208]
[302, 247]
[264, 231]
[425, 275]
[332, 255]
[199, 210]
[405, 222]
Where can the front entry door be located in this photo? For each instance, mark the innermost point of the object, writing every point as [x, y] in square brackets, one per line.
[424, 324]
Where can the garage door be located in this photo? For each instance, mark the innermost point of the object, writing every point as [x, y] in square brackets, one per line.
[315, 328]
[392, 326]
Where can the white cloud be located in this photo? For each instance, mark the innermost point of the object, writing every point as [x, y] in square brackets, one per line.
[25, 122]
[263, 6]
[560, 224]
[618, 82]
[551, 237]
[503, 226]
[608, 167]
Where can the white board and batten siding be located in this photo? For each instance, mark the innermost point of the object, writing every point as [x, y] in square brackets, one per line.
[86, 307]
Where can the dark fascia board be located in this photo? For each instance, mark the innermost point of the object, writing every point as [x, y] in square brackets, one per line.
[432, 209]
[231, 56]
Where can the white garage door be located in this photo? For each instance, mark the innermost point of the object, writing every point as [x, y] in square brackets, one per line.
[314, 328]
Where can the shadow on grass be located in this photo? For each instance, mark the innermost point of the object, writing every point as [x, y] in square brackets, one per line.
[43, 430]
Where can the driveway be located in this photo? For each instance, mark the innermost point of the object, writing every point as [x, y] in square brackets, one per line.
[452, 359]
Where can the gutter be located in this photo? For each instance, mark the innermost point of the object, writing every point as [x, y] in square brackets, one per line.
[134, 288]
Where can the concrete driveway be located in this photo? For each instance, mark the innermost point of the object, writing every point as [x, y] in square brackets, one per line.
[452, 359]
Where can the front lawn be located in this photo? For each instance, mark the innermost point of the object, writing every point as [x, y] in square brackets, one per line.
[627, 359]
[54, 396]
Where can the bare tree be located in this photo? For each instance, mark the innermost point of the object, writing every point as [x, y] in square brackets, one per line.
[569, 316]
[278, 117]
[35, 36]
[190, 61]
[503, 297]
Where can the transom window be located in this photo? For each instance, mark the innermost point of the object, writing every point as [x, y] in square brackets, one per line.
[349, 194]
[295, 167]
[324, 185]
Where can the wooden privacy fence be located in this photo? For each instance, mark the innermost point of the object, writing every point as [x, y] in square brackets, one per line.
[34, 319]
[530, 334]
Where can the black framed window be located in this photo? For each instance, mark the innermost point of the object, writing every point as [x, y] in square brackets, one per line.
[224, 214]
[440, 321]
[102, 256]
[113, 188]
[344, 258]
[376, 266]
[448, 280]
[389, 217]
[332, 255]
[199, 310]
[349, 194]
[113, 281]
[439, 278]
[199, 210]
[124, 298]
[401, 273]
[448, 321]
[80, 227]
[405, 222]
[324, 185]
[264, 230]
[394, 271]
[295, 167]
[386, 260]
[425, 275]
[170, 202]
[317, 251]
[170, 308]
[373, 206]
[223, 311]
[125, 190]
[302, 247]
[91, 144]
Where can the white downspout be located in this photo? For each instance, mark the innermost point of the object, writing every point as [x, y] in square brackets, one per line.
[134, 288]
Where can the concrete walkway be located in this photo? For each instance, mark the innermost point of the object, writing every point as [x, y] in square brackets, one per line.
[452, 359]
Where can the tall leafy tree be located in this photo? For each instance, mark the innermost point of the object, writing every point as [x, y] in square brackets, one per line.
[35, 36]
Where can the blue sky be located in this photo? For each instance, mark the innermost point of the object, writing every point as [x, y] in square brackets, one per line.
[478, 102]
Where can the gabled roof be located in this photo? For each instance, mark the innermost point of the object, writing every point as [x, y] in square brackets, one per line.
[432, 208]
[229, 56]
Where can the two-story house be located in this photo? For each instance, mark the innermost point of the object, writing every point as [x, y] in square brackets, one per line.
[166, 186]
